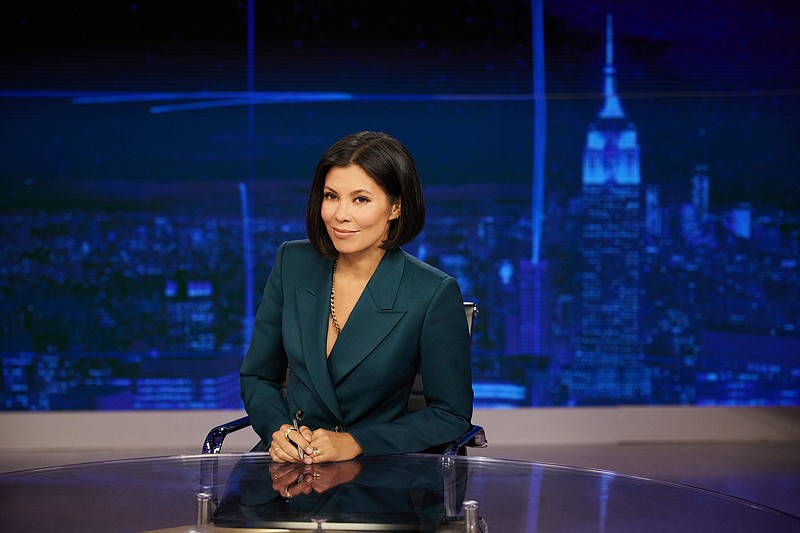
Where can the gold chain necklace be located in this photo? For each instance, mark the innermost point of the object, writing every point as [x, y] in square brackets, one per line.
[333, 298]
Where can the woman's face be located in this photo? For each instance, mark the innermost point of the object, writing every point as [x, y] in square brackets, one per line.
[356, 211]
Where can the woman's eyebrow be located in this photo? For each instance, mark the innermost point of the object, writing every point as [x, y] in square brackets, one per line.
[356, 192]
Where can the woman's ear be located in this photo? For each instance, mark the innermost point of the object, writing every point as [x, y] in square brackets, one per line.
[395, 214]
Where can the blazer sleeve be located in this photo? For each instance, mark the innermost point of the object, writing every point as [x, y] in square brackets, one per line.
[264, 368]
[444, 346]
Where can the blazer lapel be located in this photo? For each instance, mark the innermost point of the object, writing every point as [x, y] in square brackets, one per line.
[371, 320]
[312, 307]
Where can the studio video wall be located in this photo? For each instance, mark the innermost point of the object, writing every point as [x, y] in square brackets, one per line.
[617, 190]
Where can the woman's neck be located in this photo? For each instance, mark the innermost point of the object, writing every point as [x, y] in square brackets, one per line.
[359, 266]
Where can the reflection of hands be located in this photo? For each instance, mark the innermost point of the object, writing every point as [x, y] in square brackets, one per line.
[290, 480]
[329, 475]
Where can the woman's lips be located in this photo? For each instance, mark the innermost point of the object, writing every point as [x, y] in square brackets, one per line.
[343, 233]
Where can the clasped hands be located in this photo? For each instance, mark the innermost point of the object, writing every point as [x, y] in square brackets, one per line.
[319, 446]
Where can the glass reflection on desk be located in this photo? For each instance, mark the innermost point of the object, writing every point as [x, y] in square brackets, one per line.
[238, 492]
[378, 494]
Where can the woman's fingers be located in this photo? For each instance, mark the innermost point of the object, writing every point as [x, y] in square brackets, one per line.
[285, 442]
[299, 437]
[320, 446]
[284, 447]
[307, 435]
[327, 446]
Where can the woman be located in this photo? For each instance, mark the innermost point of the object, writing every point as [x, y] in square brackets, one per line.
[354, 318]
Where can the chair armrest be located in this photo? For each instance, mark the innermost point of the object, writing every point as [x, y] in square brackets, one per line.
[474, 437]
[213, 442]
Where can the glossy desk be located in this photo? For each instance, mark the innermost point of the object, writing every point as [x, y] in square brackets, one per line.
[234, 492]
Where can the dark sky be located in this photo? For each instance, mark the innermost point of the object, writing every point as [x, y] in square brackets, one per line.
[705, 82]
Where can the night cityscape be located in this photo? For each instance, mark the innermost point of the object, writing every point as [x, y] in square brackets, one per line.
[145, 311]
[655, 284]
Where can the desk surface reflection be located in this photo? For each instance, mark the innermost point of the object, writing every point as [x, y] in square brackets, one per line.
[238, 492]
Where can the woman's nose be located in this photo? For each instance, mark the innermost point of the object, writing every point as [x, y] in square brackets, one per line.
[342, 212]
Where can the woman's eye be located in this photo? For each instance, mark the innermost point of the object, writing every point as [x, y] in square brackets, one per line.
[361, 199]
[329, 196]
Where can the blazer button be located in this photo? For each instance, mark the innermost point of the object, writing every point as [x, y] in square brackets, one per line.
[338, 429]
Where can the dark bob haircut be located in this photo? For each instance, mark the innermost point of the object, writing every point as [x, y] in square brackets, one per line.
[388, 162]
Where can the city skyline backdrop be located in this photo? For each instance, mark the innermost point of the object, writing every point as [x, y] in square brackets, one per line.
[148, 189]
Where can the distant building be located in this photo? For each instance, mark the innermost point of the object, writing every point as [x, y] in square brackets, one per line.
[608, 343]
[189, 308]
[739, 221]
[695, 215]
[701, 193]
[653, 213]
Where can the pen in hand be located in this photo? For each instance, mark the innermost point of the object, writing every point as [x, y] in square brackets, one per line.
[296, 426]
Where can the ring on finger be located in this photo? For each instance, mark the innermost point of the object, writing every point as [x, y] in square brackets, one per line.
[286, 434]
[315, 452]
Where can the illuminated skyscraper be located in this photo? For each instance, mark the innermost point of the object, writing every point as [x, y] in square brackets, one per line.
[189, 309]
[695, 215]
[608, 343]
[700, 193]
[653, 218]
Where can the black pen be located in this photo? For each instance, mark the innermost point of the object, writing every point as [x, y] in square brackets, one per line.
[297, 429]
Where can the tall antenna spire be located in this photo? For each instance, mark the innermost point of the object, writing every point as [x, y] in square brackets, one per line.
[611, 106]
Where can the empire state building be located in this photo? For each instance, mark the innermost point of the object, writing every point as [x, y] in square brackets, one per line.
[608, 345]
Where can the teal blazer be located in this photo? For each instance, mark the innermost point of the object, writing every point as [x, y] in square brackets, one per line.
[410, 314]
